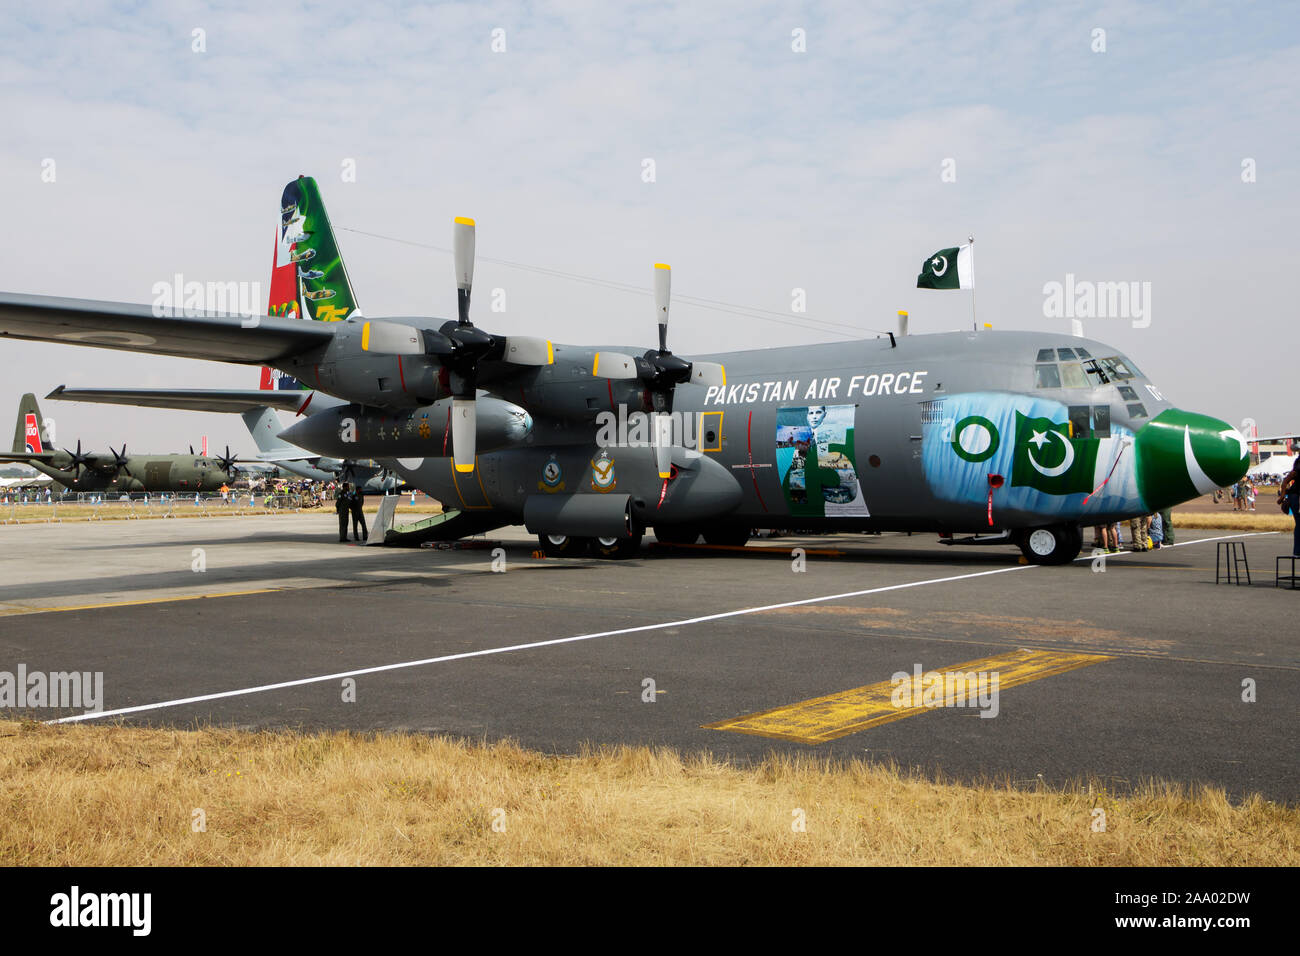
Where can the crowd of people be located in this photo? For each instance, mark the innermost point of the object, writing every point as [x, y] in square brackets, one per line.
[1146, 533]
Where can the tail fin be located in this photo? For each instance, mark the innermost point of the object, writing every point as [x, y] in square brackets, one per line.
[308, 278]
[264, 425]
[29, 431]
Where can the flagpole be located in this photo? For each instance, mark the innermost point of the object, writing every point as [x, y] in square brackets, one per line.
[974, 325]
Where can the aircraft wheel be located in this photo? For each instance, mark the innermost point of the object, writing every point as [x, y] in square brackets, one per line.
[732, 537]
[677, 534]
[617, 548]
[563, 545]
[1055, 544]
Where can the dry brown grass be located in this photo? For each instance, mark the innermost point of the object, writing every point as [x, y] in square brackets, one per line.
[119, 796]
[1271, 519]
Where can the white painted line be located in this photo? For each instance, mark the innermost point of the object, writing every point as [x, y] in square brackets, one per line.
[524, 647]
[244, 691]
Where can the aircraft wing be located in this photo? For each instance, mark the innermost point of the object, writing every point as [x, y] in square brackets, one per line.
[135, 328]
[23, 457]
[189, 399]
[288, 453]
[1264, 439]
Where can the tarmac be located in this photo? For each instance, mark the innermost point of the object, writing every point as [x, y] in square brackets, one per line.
[1115, 670]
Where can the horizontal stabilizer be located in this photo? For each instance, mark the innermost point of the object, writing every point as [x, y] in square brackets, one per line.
[188, 399]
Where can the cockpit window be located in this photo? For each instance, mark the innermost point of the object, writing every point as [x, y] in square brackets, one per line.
[1117, 368]
[1128, 393]
[1072, 375]
[1065, 355]
[1046, 376]
[1047, 355]
[1082, 353]
[1096, 373]
[1137, 410]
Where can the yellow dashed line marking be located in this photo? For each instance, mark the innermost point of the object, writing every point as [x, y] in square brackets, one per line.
[827, 718]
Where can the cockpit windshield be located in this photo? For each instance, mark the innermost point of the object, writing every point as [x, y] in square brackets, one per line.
[1077, 368]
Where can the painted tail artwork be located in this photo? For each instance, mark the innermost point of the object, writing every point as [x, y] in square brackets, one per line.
[308, 278]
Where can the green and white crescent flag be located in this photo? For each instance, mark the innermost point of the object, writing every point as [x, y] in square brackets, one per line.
[948, 269]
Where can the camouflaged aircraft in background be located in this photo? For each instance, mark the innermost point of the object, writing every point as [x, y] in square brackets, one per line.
[1014, 437]
[115, 471]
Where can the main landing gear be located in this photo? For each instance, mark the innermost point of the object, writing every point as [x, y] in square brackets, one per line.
[566, 546]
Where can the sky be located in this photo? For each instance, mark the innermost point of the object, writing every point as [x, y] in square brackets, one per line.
[829, 148]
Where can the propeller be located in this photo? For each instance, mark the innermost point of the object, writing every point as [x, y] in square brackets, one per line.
[459, 347]
[120, 460]
[227, 462]
[79, 460]
[661, 371]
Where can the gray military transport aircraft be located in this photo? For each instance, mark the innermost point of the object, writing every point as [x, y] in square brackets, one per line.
[1014, 437]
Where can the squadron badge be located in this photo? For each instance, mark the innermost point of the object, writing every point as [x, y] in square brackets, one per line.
[552, 477]
[603, 479]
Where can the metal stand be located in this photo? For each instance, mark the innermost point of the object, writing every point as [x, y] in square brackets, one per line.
[1279, 577]
[1233, 554]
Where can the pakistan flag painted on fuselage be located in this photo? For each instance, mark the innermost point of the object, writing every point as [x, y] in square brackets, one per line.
[1047, 459]
[1026, 440]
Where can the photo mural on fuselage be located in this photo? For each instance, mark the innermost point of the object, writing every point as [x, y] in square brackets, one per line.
[819, 388]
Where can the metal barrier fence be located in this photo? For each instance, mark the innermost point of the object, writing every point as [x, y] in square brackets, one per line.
[92, 506]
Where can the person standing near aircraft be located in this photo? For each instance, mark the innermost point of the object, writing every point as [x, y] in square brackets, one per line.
[355, 501]
[1289, 497]
[341, 508]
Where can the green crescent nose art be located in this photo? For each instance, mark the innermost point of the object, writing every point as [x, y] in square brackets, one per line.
[1181, 455]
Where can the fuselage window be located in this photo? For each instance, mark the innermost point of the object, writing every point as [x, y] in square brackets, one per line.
[1137, 411]
[1046, 376]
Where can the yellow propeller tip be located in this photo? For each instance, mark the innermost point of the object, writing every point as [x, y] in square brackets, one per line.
[463, 221]
[662, 265]
[464, 469]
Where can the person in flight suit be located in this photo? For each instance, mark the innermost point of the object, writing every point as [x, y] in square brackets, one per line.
[355, 502]
[341, 508]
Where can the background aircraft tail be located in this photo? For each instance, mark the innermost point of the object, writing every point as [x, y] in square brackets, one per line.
[308, 278]
[264, 425]
[29, 431]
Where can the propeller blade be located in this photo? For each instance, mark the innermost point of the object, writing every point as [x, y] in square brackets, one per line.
[391, 338]
[708, 373]
[464, 426]
[463, 252]
[663, 288]
[614, 365]
[664, 444]
[527, 350]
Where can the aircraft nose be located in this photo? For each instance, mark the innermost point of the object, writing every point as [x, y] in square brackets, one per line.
[1182, 455]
